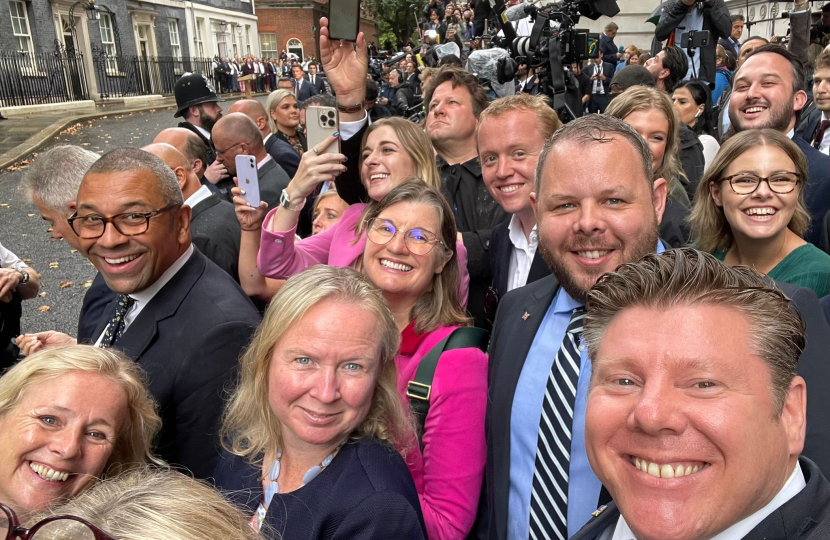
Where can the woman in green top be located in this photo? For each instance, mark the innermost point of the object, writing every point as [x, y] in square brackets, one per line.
[749, 209]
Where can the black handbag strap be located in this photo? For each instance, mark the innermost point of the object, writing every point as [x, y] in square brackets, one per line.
[419, 389]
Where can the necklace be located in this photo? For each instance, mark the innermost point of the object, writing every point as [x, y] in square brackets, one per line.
[274, 473]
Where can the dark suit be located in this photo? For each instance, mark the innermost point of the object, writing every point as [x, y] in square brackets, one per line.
[305, 91]
[817, 194]
[824, 242]
[513, 336]
[729, 45]
[211, 150]
[531, 85]
[272, 180]
[188, 339]
[500, 250]
[599, 102]
[216, 233]
[96, 302]
[801, 517]
[318, 84]
[283, 153]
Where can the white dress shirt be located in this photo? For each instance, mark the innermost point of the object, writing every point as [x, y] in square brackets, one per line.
[521, 256]
[263, 162]
[200, 195]
[10, 260]
[791, 488]
[824, 147]
[142, 298]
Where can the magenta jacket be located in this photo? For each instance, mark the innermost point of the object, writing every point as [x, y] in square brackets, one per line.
[449, 472]
[280, 257]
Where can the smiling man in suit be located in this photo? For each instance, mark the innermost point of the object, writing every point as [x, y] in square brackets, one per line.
[511, 134]
[694, 378]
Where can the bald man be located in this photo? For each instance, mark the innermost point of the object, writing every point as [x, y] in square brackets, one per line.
[282, 152]
[213, 224]
[192, 147]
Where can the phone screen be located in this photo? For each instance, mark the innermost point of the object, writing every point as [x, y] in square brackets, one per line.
[344, 19]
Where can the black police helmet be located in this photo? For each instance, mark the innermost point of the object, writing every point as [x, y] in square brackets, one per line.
[193, 89]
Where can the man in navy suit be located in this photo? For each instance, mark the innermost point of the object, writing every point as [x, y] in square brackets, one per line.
[178, 315]
[676, 410]
[282, 152]
[511, 134]
[302, 88]
[600, 74]
[768, 92]
[315, 80]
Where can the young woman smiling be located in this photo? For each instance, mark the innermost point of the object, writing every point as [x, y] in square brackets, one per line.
[749, 209]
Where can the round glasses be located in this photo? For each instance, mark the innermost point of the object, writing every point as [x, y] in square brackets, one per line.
[128, 224]
[747, 183]
[417, 241]
[52, 528]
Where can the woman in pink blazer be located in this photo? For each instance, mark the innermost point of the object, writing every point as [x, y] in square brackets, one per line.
[411, 257]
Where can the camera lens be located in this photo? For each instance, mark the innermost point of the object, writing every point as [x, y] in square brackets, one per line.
[323, 119]
[331, 123]
[330, 114]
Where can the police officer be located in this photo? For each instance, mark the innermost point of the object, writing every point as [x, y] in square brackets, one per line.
[198, 105]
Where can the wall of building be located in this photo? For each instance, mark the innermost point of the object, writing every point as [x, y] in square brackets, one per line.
[243, 6]
[212, 16]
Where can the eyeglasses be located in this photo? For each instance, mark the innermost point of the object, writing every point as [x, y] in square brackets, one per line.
[417, 241]
[52, 528]
[222, 152]
[128, 224]
[747, 183]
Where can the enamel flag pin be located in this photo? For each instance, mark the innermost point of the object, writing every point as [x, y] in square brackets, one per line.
[525, 316]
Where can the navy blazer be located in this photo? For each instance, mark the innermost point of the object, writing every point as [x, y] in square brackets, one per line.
[319, 84]
[96, 302]
[216, 233]
[306, 90]
[817, 194]
[366, 493]
[500, 249]
[284, 154]
[187, 340]
[807, 515]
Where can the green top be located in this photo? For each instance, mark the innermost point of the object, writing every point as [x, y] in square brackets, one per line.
[806, 266]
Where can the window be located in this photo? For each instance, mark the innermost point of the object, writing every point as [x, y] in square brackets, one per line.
[247, 39]
[108, 42]
[200, 46]
[296, 46]
[20, 27]
[235, 34]
[268, 45]
[175, 46]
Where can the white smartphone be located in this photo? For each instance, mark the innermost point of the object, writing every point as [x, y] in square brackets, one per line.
[246, 175]
[320, 123]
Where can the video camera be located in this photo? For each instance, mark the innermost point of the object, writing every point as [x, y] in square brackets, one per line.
[553, 44]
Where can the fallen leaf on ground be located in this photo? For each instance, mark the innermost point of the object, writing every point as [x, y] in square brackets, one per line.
[53, 265]
[74, 251]
[44, 309]
[66, 284]
[27, 261]
[42, 294]
[50, 229]
[87, 283]
[31, 215]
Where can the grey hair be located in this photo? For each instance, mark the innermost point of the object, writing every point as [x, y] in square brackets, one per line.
[133, 159]
[56, 175]
[690, 277]
[595, 128]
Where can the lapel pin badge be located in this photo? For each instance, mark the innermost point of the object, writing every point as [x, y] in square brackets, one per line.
[525, 316]
[599, 510]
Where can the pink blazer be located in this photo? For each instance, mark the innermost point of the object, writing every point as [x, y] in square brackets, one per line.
[281, 257]
[449, 472]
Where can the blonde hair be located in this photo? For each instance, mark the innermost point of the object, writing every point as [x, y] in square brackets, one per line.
[538, 105]
[710, 229]
[274, 99]
[156, 504]
[134, 440]
[250, 428]
[639, 98]
[415, 142]
[688, 277]
[440, 305]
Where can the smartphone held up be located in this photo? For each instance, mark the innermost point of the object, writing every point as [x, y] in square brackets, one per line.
[344, 19]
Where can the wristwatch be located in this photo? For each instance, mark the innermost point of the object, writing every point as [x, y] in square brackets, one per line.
[285, 202]
[24, 279]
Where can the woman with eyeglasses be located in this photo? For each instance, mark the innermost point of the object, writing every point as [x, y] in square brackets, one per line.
[70, 416]
[411, 257]
[749, 209]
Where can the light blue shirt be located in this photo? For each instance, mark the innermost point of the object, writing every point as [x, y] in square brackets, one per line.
[525, 414]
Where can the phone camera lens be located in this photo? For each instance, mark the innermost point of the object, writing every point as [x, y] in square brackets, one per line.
[331, 123]
[330, 114]
[323, 119]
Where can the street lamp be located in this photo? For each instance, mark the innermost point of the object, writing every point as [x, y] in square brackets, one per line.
[92, 11]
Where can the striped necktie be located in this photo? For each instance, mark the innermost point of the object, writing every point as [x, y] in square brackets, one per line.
[549, 494]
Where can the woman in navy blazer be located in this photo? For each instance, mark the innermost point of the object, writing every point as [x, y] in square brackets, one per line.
[311, 432]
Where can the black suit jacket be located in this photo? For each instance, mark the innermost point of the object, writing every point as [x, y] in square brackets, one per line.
[500, 250]
[188, 340]
[283, 153]
[726, 43]
[211, 150]
[607, 70]
[272, 180]
[96, 301]
[513, 335]
[319, 85]
[817, 194]
[803, 516]
[306, 90]
[216, 233]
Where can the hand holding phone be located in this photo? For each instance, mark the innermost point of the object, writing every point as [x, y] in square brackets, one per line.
[346, 66]
[248, 179]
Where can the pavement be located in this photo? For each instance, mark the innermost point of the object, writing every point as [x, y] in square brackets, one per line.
[65, 273]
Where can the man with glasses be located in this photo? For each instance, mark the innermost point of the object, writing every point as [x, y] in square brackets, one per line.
[175, 313]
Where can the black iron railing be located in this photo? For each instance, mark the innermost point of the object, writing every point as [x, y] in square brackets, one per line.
[35, 79]
[124, 76]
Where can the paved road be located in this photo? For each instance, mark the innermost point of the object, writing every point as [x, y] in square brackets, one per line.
[25, 234]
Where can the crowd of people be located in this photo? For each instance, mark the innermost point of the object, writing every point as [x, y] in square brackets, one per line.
[489, 324]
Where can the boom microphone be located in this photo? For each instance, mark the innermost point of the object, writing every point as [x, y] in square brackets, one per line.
[518, 12]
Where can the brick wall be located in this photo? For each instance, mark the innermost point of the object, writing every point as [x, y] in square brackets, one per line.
[234, 5]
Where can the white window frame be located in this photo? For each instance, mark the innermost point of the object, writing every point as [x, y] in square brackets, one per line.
[200, 45]
[271, 52]
[108, 43]
[247, 39]
[288, 48]
[22, 30]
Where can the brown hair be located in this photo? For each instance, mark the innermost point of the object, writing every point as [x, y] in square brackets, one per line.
[415, 142]
[710, 229]
[546, 117]
[458, 77]
[689, 277]
[823, 60]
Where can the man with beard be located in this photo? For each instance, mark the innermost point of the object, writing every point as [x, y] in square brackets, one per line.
[768, 92]
[198, 105]
[591, 217]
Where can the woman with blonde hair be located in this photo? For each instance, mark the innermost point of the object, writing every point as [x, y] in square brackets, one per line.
[393, 150]
[150, 504]
[69, 416]
[310, 433]
[284, 119]
[749, 210]
[650, 111]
